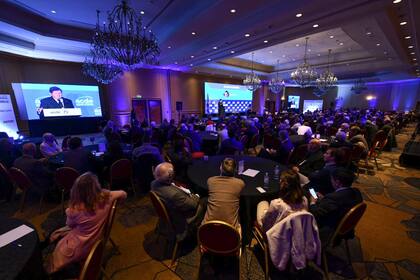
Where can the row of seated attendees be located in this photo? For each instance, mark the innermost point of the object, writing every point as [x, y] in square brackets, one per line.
[329, 173]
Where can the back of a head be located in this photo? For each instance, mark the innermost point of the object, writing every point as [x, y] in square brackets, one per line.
[344, 176]
[29, 149]
[290, 190]
[75, 142]
[86, 191]
[164, 172]
[355, 130]
[48, 137]
[228, 167]
[340, 136]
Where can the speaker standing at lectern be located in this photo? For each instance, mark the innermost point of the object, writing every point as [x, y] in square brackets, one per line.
[55, 101]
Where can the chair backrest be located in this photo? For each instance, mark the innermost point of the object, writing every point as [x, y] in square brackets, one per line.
[160, 208]
[268, 141]
[357, 152]
[121, 171]
[378, 142]
[4, 173]
[347, 153]
[244, 140]
[110, 221]
[219, 238]
[65, 177]
[350, 220]
[254, 141]
[91, 269]
[19, 178]
[298, 153]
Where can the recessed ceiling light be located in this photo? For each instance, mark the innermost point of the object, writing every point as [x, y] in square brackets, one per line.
[214, 48]
[294, 59]
[385, 52]
[191, 64]
[176, 62]
[348, 64]
[283, 55]
[233, 11]
[265, 41]
[341, 43]
[192, 56]
[412, 53]
[298, 15]
[270, 51]
[403, 23]
[368, 33]
[417, 70]
[193, 33]
[378, 44]
[247, 35]
[53, 11]
[407, 37]
[297, 45]
[332, 37]
[309, 50]
[315, 25]
[142, 12]
[232, 51]
[410, 47]
[169, 47]
[209, 59]
[319, 54]
[396, 1]
[414, 59]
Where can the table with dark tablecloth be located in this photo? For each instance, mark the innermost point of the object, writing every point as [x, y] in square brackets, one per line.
[22, 258]
[201, 170]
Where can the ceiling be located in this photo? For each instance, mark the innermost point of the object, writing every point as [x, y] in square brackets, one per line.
[367, 41]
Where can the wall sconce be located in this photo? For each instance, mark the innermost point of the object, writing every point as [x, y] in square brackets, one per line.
[370, 97]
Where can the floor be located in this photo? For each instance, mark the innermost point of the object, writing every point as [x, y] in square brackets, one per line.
[387, 245]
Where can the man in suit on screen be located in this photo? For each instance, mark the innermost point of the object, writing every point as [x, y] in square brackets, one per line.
[55, 101]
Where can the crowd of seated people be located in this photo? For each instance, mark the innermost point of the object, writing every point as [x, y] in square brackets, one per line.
[321, 166]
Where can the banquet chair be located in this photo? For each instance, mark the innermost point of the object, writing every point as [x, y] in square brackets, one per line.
[220, 239]
[244, 140]
[108, 226]
[378, 143]
[268, 141]
[6, 182]
[65, 178]
[298, 154]
[253, 143]
[344, 230]
[143, 174]
[189, 145]
[121, 172]
[91, 269]
[163, 215]
[21, 181]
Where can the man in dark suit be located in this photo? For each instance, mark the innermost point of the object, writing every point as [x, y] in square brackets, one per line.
[313, 160]
[331, 208]
[230, 145]
[37, 172]
[185, 209]
[55, 101]
[77, 157]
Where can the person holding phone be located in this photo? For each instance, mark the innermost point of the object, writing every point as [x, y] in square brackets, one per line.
[291, 199]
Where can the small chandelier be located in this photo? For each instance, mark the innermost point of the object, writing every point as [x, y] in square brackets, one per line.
[327, 79]
[121, 44]
[304, 75]
[252, 81]
[359, 86]
[276, 84]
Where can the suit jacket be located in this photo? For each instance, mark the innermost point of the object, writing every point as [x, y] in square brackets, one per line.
[80, 159]
[312, 162]
[179, 204]
[321, 180]
[223, 201]
[50, 103]
[330, 209]
[39, 175]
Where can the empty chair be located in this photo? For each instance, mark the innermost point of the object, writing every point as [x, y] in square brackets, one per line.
[64, 178]
[143, 170]
[6, 185]
[378, 143]
[121, 174]
[21, 181]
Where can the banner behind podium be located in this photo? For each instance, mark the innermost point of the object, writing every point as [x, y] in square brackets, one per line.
[7, 116]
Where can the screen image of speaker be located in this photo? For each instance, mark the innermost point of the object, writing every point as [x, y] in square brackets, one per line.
[179, 105]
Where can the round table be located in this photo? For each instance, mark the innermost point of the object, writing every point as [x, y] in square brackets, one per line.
[22, 258]
[201, 170]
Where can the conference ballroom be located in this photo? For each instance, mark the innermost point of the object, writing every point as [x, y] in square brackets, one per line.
[209, 139]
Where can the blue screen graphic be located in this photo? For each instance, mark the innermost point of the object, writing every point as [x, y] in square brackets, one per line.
[29, 96]
[236, 98]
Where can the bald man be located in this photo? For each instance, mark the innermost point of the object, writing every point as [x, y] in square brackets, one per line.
[184, 208]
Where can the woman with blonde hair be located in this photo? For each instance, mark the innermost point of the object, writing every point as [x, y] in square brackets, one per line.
[87, 214]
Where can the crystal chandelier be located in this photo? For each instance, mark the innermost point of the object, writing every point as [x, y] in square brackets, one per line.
[304, 75]
[252, 81]
[327, 79]
[276, 84]
[359, 86]
[121, 44]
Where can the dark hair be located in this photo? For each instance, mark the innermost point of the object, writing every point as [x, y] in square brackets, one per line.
[54, 89]
[65, 143]
[292, 192]
[74, 143]
[343, 175]
[231, 132]
[355, 130]
[228, 167]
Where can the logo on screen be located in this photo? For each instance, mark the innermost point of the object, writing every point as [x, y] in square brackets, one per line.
[84, 101]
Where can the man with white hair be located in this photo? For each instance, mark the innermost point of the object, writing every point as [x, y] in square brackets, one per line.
[184, 208]
[49, 145]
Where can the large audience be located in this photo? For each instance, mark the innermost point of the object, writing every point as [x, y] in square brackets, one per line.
[314, 147]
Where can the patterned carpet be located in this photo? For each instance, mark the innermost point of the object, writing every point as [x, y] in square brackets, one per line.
[387, 243]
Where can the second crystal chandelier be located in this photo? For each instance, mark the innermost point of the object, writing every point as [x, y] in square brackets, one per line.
[304, 75]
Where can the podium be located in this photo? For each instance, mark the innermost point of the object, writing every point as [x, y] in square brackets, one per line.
[62, 112]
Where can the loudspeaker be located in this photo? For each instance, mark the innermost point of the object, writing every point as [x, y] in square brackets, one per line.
[179, 105]
[411, 154]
